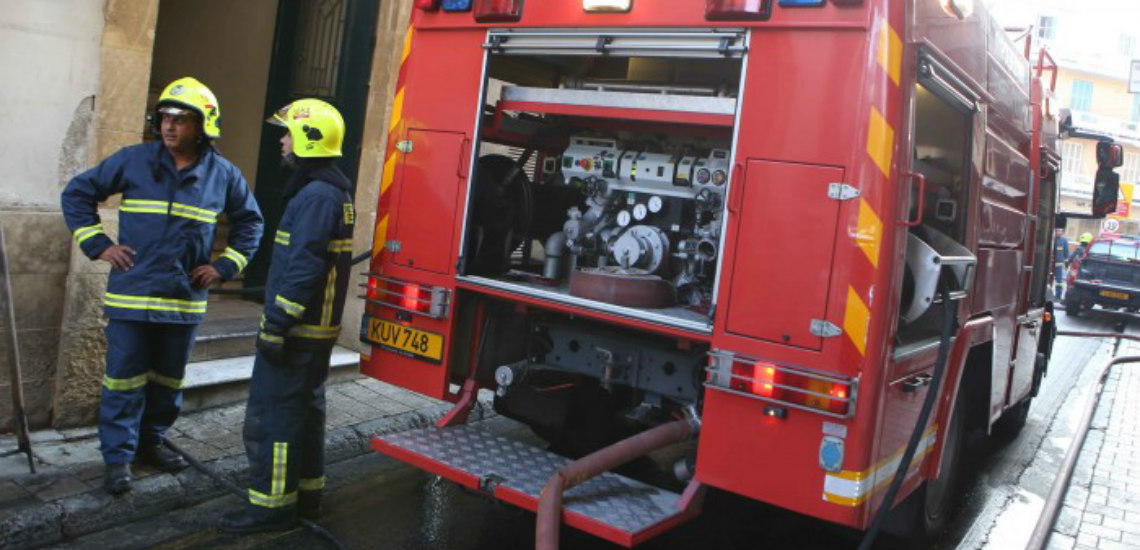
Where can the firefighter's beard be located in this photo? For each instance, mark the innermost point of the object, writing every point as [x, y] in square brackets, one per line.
[290, 161]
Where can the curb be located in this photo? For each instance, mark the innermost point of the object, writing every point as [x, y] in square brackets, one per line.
[93, 511]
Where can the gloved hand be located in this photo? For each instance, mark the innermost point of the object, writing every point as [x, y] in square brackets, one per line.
[271, 345]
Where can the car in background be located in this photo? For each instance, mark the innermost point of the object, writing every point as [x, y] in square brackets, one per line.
[1107, 274]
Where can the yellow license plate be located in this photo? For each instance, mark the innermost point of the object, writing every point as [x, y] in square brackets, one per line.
[1114, 294]
[405, 340]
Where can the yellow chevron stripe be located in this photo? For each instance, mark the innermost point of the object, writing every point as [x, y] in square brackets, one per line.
[880, 141]
[381, 236]
[397, 110]
[869, 232]
[389, 175]
[856, 320]
[890, 52]
[407, 44]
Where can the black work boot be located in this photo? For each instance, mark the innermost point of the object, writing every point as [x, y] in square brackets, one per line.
[160, 458]
[117, 478]
[252, 519]
[309, 505]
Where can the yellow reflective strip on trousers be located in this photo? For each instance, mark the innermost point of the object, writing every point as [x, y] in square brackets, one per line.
[282, 237]
[314, 484]
[124, 384]
[330, 296]
[269, 501]
[172, 383]
[280, 459]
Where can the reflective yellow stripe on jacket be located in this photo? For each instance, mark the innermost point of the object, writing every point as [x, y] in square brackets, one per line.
[236, 257]
[145, 206]
[84, 233]
[157, 304]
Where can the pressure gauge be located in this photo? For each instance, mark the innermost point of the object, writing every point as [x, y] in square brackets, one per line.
[623, 218]
[640, 212]
[655, 204]
[719, 177]
[703, 176]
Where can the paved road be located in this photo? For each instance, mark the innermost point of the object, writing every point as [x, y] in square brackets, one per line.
[382, 503]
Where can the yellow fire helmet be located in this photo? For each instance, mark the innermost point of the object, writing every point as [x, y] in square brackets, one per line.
[189, 94]
[317, 127]
[1086, 237]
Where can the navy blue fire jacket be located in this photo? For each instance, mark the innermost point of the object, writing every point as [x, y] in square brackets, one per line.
[312, 259]
[168, 217]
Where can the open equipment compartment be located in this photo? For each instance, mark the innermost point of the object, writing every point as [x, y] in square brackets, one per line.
[604, 161]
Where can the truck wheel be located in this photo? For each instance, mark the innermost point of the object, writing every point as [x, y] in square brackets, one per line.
[940, 496]
[1072, 303]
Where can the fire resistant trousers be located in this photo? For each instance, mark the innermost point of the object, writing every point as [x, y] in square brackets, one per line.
[285, 427]
[142, 390]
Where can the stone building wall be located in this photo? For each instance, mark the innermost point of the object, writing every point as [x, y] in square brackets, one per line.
[52, 74]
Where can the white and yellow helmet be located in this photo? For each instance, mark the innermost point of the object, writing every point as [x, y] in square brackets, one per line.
[188, 94]
[317, 127]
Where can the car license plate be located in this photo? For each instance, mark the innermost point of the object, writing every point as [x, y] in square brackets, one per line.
[404, 340]
[1114, 294]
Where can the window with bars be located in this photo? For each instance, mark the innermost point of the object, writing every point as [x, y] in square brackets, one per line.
[1046, 27]
[1130, 172]
[1081, 99]
[1127, 46]
[319, 41]
[1073, 157]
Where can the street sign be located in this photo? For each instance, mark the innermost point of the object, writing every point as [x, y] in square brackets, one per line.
[1124, 201]
[1134, 80]
[1110, 225]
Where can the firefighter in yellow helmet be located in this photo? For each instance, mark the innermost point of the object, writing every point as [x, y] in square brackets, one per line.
[1079, 252]
[172, 193]
[304, 299]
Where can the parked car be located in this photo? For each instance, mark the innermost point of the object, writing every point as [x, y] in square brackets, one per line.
[1106, 274]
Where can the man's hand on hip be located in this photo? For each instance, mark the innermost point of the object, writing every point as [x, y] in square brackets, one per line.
[120, 257]
[204, 276]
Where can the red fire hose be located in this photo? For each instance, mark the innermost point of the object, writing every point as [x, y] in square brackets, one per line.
[582, 470]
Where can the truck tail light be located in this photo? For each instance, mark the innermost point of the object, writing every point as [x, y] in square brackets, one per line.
[408, 297]
[498, 11]
[783, 385]
[738, 10]
[427, 5]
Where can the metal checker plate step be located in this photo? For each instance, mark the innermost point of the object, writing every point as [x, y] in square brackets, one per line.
[617, 501]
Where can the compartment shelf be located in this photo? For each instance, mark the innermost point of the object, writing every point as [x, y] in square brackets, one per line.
[648, 107]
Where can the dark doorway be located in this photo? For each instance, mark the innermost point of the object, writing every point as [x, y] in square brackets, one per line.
[321, 49]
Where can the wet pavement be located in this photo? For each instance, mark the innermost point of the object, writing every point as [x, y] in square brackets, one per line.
[377, 502]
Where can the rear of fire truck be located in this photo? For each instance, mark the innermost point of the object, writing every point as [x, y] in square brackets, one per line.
[615, 214]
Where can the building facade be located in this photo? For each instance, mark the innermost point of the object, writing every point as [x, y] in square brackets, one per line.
[1094, 43]
[81, 78]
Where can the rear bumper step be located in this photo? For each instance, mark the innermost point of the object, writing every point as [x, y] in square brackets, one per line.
[612, 507]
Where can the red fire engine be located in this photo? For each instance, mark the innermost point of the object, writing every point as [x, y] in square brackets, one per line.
[764, 218]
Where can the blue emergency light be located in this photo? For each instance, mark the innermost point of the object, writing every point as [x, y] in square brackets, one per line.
[795, 3]
[456, 5]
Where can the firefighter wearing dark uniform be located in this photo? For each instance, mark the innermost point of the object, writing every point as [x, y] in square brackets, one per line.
[172, 193]
[304, 298]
